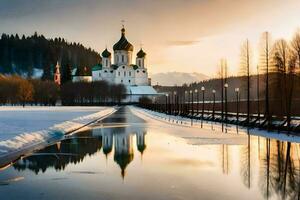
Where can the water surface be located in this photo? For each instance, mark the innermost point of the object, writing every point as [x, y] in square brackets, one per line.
[125, 157]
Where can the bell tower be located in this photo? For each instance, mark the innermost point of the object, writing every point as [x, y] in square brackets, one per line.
[57, 75]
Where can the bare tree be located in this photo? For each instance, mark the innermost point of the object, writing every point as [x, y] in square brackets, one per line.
[296, 46]
[245, 71]
[223, 79]
[264, 62]
[285, 62]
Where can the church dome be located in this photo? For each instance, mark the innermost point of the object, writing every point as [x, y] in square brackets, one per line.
[123, 44]
[106, 53]
[141, 54]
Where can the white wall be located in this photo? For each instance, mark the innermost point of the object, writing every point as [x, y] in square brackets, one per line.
[127, 55]
[106, 62]
[125, 75]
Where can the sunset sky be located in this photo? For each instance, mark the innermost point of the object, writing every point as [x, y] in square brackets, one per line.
[177, 35]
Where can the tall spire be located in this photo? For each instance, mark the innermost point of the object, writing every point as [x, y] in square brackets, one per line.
[123, 28]
[123, 44]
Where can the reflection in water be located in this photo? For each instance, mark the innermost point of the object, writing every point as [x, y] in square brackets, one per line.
[123, 151]
[270, 166]
[225, 159]
[74, 150]
[278, 168]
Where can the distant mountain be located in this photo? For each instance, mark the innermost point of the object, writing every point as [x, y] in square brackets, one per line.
[176, 78]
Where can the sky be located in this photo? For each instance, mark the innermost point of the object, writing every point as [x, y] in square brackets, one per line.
[177, 35]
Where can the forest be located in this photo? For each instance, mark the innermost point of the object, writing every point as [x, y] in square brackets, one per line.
[21, 55]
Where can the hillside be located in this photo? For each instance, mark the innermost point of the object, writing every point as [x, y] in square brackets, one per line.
[26, 54]
[176, 78]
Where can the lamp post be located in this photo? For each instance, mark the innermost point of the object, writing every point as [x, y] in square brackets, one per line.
[175, 103]
[226, 106]
[197, 110]
[237, 92]
[214, 103]
[203, 91]
[171, 103]
[166, 107]
[192, 106]
[185, 106]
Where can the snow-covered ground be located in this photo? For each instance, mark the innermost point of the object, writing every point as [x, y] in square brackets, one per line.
[195, 135]
[22, 127]
[211, 132]
[17, 120]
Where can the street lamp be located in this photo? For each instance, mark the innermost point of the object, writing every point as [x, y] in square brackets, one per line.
[197, 111]
[175, 103]
[166, 103]
[203, 91]
[192, 106]
[214, 103]
[185, 106]
[237, 91]
[226, 108]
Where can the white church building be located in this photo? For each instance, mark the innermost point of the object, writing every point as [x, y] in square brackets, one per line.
[122, 70]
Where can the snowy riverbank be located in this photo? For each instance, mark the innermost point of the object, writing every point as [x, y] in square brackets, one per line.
[25, 127]
[209, 129]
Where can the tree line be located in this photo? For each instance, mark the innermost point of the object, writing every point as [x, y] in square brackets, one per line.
[16, 90]
[269, 89]
[21, 55]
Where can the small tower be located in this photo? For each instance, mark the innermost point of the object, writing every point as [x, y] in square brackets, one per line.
[140, 58]
[106, 59]
[57, 75]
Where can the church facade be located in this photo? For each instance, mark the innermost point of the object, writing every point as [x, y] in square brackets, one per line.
[120, 69]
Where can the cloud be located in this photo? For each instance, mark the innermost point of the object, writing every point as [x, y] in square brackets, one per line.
[182, 42]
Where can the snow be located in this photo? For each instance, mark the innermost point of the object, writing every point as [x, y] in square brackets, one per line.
[15, 120]
[23, 127]
[37, 73]
[211, 132]
[141, 90]
[181, 127]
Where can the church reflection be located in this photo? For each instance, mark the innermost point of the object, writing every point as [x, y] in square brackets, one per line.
[117, 141]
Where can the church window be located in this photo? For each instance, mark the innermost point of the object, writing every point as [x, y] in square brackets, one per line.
[99, 74]
[129, 81]
[121, 81]
[119, 73]
[106, 62]
[129, 73]
[123, 67]
[105, 71]
[122, 58]
[124, 73]
[144, 71]
[140, 63]
[137, 71]
[111, 71]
